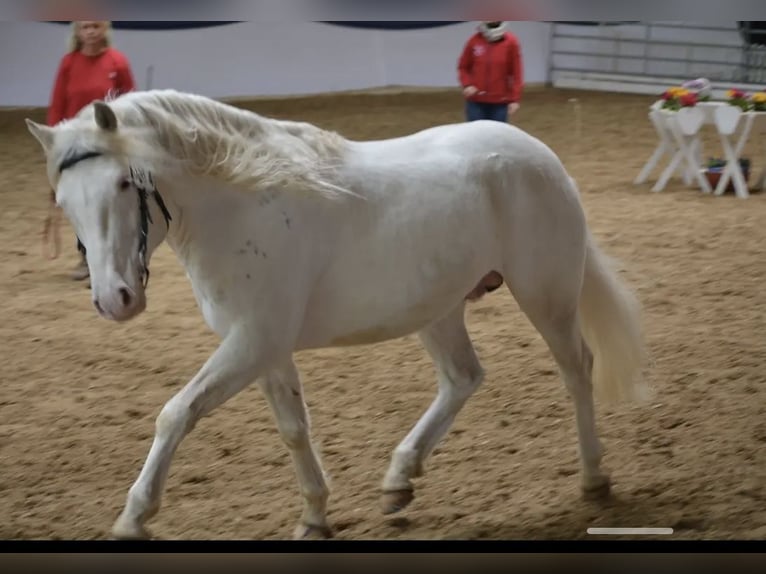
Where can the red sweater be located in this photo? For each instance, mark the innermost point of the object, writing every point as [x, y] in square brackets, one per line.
[82, 79]
[494, 68]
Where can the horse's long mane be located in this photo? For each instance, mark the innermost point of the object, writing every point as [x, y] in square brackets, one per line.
[163, 128]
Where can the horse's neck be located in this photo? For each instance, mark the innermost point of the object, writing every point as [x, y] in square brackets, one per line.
[205, 217]
[218, 225]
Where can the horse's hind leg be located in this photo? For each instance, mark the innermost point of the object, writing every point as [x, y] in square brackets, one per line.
[556, 319]
[459, 374]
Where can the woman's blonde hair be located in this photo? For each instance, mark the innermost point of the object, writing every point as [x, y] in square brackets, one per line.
[74, 42]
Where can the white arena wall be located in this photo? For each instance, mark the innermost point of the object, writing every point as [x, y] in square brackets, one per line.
[260, 58]
[290, 58]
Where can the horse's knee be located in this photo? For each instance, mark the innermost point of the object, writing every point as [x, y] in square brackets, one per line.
[473, 381]
[294, 434]
[173, 418]
[463, 381]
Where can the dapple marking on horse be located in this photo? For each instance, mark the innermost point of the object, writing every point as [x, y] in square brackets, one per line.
[294, 237]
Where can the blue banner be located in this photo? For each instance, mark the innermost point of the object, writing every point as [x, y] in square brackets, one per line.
[162, 25]
[165, 25]
[368, 24]
[183, 25]
[395, 25]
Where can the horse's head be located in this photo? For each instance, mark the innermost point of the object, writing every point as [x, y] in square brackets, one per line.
[114, 208]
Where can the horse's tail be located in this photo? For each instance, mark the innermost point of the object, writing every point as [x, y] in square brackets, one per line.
[610, 316]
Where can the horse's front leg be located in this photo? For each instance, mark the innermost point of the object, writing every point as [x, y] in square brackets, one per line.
[283, 390]
[235, 364]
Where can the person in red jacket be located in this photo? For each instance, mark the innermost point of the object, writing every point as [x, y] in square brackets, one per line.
[91, 70]
[490, 70]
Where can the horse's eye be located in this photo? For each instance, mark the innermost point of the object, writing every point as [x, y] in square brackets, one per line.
[124, 184]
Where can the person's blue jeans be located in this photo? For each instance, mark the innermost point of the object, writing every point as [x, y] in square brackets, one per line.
[481, 111]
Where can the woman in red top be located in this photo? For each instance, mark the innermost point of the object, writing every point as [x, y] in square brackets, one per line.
[491, 73]
[91, 70]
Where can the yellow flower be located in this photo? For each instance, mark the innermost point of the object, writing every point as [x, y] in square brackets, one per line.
[759, 98]
[677, 91]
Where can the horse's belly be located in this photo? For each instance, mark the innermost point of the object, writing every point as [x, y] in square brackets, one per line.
[350, 324]
[377, 332]
[370, 306]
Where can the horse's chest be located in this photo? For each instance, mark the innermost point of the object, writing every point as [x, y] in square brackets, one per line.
[212, 305]
[217, 292]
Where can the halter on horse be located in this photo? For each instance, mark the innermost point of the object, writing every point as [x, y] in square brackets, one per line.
[144, 184]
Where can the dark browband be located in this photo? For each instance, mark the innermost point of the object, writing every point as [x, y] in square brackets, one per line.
[77, 158]
[68, 162]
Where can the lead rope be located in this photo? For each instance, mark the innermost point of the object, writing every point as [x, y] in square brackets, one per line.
[52, 229]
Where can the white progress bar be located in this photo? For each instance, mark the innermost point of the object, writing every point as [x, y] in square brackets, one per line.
[631, 531]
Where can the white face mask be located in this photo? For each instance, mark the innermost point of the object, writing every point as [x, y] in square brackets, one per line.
[492, 31]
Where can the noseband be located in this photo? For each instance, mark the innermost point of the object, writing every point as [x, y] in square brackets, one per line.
[143, 182]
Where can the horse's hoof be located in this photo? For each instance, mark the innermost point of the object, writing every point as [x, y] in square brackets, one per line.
[395, 500]
[312, 532]
[123, 530]
[597, 488]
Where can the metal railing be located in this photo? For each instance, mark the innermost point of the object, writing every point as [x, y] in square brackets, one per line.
[754, 36]
[733, 52]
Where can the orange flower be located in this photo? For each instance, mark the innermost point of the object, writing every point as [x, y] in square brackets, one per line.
[676, 91]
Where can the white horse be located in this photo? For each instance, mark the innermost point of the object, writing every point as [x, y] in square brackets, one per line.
[294, 237]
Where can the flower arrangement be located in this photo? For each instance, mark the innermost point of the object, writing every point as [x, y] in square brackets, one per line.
[758, 100]
[738, 98]
[678, 97]
[691, 92]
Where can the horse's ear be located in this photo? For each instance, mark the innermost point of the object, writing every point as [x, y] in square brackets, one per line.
[42, 133]
[105, 118]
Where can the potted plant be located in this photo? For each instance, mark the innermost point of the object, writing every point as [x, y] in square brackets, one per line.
[714, 170]
[759, 101]
[738, 98]
[676, 97]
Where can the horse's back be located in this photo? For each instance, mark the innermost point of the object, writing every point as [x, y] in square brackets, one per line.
[464, 154]
[469, 138]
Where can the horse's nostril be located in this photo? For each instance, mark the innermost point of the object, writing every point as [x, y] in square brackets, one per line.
[125, 296]
[97, 305]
